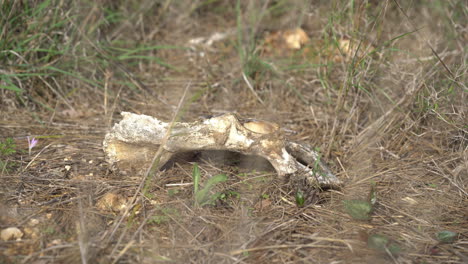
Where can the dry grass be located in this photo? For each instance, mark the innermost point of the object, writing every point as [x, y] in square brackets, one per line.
[392, 115]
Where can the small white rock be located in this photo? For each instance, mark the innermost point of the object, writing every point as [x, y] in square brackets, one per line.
[31, 232]
[54, 242]
[33, 222]
[11, 233]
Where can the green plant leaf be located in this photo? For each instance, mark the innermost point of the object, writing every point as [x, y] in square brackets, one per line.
[203, 197]
[8, 147]
[383, 244]
[377, 241]
[163, 215]
[446, 236]
[300, 200]
[215, 180]
[10, 85]
[358, 209]
[11, 88]
[172, 192]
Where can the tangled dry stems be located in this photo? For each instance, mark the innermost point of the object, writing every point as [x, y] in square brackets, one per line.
[395, 121]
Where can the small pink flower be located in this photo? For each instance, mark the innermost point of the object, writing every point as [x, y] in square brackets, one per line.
[32, 142]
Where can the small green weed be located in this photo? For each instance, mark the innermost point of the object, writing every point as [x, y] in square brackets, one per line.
[384, 244]
[7, 148]
[300, 199]
[447, 236]
[229, 194]
[204, 196]
[316, 167]
[172, 192]
[362, 209]
[358, 209]
[49, 230]
[163, 216]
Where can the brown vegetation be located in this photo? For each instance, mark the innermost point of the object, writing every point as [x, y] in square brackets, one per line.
[389, 117]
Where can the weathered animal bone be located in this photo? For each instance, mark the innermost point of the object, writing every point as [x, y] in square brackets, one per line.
[133, 142]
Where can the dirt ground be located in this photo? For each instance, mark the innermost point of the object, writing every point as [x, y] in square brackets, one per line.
[388, 114]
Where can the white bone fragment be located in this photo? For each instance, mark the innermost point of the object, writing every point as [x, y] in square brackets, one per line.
[132, 143]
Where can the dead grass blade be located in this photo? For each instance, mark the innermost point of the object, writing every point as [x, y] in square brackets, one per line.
[425, 40]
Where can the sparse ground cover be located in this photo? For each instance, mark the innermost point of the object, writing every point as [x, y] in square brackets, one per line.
[387, 110]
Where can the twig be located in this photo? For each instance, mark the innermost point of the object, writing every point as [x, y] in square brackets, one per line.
[35, 157]
[123, 251]
[251, 88]
[454, 183]
[310, 245]
[82, 234]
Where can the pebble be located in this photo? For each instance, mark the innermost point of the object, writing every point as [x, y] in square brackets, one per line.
[11, 233]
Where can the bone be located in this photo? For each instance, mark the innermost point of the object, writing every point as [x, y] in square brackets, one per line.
[132, 143]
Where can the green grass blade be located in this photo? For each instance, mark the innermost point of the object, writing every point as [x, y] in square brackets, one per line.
[196, 178]
[73, 75]
[203, 197]
[10, 85]
[11, 88]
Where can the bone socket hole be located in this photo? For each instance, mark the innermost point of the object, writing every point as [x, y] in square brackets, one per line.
[261, 127]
